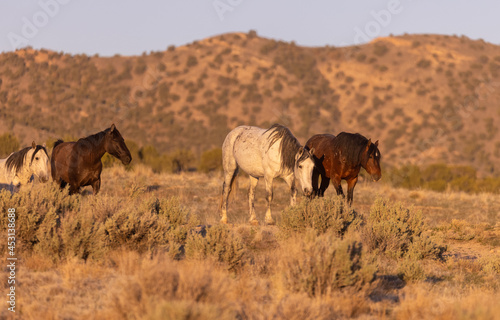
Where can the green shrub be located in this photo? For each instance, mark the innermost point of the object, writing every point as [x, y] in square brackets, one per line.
[211, 160]
[58, 226]
[459, 230]
[489, 184]
[380, 49]
[411, 270]
[465, 184]
[424, 64]
[191, 61]
[8, 144]
[326, 264]
[407, 176]
[438, 171]
[82, 236]
[220, 243]
[436, 185]
[324, 214]
[391, 228]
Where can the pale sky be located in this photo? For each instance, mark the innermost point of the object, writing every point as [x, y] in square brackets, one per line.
[128, 27]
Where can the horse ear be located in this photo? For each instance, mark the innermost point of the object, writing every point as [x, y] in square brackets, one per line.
[44, 145]
[33, 145]
[311, 151]
[369, 144]
[376, 143]
[112, 128]
[299, 154]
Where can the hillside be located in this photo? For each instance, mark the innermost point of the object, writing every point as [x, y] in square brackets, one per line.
[427, 98]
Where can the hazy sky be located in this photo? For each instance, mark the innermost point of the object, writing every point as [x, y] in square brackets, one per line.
[130, 27]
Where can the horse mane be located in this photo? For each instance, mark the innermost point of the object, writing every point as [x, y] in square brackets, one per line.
[352, 145]
[16, 160]
[288, 148]
[58, 142]
[96, 138]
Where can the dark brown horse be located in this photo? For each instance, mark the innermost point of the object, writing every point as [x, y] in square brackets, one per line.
[342, 157]
[79, 163]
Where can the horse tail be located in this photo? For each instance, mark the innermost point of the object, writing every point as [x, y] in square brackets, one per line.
[222, 196]
[58, 142]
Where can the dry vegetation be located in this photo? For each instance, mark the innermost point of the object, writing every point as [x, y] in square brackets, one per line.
[427, 98]
[423, 245]
[149, 246]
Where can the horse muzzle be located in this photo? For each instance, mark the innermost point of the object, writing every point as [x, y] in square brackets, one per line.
[126, 160]
[376, 177]
[308, 193]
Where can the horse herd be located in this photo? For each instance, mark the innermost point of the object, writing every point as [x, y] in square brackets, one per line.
[261, 153]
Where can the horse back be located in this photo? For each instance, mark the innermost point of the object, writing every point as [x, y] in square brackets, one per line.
[323, 153]
[246, 145]
[59, 161]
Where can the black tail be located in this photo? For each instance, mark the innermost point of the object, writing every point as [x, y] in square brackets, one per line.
[58, 142]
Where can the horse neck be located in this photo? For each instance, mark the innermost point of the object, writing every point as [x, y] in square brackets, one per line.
[98, 142]
[295, 160]
[363, 161]
[24, 175]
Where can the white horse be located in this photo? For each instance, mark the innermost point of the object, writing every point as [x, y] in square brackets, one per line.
[22, 166]
[270, 153]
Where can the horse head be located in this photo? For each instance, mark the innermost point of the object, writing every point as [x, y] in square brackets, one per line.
[304, 165]
[371, 160]
[39, 162]
[115, 145]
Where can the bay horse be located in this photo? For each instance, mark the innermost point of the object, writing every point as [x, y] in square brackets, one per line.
[22, 166]
[270, 154]
[342, 157]
[79, 163]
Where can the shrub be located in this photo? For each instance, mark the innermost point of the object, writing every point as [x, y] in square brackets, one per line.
[211, 160]
[436, 185]
[220, 243]
[465, 184]
[191, 61]
[324, 265]
[380, 49]
[391, 228]
[58, 226]
[424, 64]
[8, 144]
[179, 160]
[407, 176]
[141, 66]
[81, 235]
[321, 214]
[438, 171]
[459, 230]
[411, 270]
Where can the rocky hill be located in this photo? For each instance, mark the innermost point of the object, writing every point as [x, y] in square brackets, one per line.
[427, 98]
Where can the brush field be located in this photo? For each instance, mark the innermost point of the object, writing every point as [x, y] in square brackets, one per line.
[150, 246]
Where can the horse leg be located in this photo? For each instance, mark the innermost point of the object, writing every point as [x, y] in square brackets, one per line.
[350, 189]
[96, 186]
[62, 183]
[315, 182]
[227, 186]
[251, 197]
[73, 189]
[290, 181]
[337, 183]
[325, 182]
[269, 197]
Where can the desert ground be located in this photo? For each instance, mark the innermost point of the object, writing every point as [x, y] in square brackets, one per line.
[150, 246]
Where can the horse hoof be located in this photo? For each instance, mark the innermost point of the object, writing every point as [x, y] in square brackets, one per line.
[270, 222]
[254, 222]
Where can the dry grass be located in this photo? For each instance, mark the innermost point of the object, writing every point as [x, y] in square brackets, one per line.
[151, 260]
